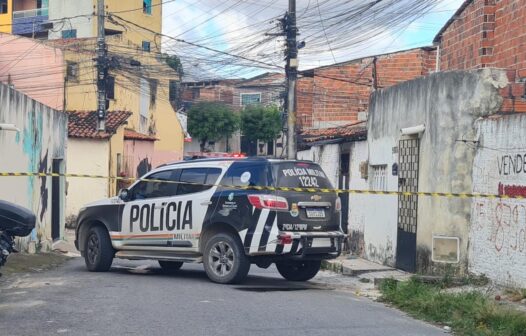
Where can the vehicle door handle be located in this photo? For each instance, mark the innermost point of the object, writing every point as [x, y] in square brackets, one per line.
[206, 203]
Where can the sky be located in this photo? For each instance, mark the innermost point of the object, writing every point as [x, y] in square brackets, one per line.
[239, 26]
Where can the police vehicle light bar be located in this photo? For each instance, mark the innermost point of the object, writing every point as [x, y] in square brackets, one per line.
[270, 202]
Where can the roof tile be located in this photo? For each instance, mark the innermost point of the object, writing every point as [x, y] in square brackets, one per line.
[352, 131]
[83, 124]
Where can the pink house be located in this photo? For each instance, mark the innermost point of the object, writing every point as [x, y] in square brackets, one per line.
[33, 68]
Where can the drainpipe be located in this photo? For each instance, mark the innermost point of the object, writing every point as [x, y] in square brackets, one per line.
[437, 62]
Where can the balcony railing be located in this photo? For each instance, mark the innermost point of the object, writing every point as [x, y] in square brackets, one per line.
[31, 13]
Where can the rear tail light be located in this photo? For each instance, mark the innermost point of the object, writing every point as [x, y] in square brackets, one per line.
[271, 202]
[284, 239]
[338, 205]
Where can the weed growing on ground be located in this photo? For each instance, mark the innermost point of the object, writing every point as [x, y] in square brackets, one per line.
[467, 313]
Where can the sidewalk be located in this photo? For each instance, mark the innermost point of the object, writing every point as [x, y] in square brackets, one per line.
[367, 275]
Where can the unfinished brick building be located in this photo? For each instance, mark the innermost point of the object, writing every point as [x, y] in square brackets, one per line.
[488, 33]
[338, 94]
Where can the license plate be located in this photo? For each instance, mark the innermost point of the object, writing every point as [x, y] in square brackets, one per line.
[321, 242]
[315, 213]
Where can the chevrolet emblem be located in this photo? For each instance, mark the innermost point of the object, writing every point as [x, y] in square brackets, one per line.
[315, 198]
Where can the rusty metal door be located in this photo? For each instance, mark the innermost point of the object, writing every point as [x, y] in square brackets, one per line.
[408, 157]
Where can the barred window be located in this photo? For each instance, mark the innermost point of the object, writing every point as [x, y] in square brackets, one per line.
[379, 174]
[250, 98]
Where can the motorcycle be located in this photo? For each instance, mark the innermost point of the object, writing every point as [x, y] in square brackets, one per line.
[15, 221]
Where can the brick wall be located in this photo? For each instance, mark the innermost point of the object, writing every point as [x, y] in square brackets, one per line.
[489, 33]
[339, 95]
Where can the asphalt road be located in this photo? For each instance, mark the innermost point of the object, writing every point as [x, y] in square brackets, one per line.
[136, 298]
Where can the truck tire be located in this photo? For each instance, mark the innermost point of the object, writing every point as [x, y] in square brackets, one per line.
[170, 266]
[298, 270]
[98, 253]
[224, 259]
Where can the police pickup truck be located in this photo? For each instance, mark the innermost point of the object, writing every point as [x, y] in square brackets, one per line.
[225, 213]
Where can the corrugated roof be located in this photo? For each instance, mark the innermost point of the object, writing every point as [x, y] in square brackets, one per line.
[83, 124]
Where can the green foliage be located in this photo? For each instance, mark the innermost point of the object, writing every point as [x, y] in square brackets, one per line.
[261, 122]
[467, 313]
[174, 62]
[209, 121]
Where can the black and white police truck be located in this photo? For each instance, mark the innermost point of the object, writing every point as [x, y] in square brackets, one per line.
[225, 213]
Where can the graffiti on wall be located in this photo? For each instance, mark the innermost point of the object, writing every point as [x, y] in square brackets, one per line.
[498, 229]
[504, 224]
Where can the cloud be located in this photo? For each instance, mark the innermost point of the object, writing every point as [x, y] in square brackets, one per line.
[240, 28]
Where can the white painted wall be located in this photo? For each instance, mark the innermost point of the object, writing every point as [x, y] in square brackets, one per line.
[497, 237]
[42, 138]
[358, 206]
[86, 156]
[328, 157]
[59, 9]
[381, 225]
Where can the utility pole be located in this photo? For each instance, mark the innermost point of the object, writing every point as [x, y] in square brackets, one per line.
[291, 70]
[102, 68]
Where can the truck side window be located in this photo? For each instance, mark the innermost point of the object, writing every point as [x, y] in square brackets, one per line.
[194, 180]
[246, 174]
[149, 189]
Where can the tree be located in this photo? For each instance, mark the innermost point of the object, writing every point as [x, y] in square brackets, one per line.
[210, 121]
[260, 122]
[174, 62]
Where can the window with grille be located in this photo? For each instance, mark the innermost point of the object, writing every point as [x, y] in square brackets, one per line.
[379, 175]
[250, 98]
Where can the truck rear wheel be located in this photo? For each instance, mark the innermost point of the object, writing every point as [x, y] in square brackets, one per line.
[298, 270]
[225, 260]
[98, 252]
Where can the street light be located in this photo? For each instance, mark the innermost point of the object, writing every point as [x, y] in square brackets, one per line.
[9, 127]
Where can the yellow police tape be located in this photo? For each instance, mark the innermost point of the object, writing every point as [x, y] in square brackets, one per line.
[310, 190]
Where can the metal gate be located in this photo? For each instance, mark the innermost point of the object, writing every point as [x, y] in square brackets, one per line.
[408, 153]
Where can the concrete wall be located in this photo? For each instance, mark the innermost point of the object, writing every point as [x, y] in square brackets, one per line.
[328, 157]
[448, 104]
[138, 157]
[86, 156]
[42, 138]
[59, 9]
[33, 68]
[498, 229]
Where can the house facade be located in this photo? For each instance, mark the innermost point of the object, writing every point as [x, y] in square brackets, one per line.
[457, 131]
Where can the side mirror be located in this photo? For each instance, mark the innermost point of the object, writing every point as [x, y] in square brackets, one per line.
[124, 194]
